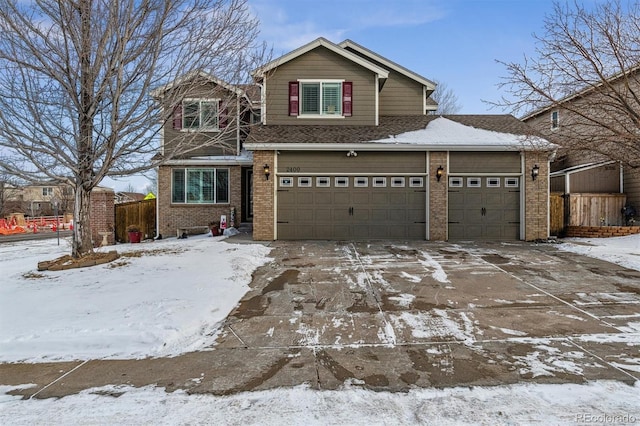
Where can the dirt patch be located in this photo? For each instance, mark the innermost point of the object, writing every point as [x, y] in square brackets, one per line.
[68, 262]
[290, 276]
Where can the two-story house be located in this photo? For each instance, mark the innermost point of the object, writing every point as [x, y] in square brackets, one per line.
[347, 149]
[205, 173]
[589, 119]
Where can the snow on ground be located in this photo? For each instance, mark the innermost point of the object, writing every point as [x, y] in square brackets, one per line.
[160, 298]
[171, 299]
[602, 402]
[624, 251]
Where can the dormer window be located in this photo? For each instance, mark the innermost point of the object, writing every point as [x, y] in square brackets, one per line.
[555, 120]
[326, 98]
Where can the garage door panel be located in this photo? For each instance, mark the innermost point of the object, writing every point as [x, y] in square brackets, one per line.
[342, 197]
[323, 198]
[398, 198]
[380, 197]
[323, 215]
[305, 215]
[379, 215]
[360, 198]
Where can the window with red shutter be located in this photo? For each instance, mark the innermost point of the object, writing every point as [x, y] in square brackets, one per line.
[347, 91]
[293, 98]
[177, 117]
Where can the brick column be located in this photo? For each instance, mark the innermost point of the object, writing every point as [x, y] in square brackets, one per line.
[263, 196]
[102, 215]
[536, 199]
[438, 197]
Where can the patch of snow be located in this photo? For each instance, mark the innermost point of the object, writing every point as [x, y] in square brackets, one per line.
[430, 263]
[412, 278]
[501, 405]
[138, 306]
[403, 299]
[510, 331]
[443, 131]
[624, 251]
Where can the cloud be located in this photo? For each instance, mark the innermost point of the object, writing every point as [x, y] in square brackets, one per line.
[288, 24]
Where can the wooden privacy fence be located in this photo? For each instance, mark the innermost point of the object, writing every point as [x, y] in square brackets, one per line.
[596, 209]
[556, 213]
[141, 213]
[585, 209]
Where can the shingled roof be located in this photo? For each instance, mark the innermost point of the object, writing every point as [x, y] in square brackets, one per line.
[389, 126]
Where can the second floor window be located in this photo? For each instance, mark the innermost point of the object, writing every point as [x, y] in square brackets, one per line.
[555, 119]
[47, 192]
[320, 98]
[200, 114]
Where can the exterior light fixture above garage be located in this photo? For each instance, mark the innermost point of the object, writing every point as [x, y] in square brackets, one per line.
[267, 171]
[535, 172]
[439, 172]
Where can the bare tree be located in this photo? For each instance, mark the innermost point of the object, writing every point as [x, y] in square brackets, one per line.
[76, 77]
[587, 68]
[446, 98]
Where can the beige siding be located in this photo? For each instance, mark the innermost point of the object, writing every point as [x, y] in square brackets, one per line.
[337, 162]
[632, 187]
[194, 144]
[605, 179]
[321, 63]
[485, 162]
[401, 96]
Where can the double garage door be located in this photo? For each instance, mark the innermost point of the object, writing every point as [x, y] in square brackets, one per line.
[375, 195]
[334, 196]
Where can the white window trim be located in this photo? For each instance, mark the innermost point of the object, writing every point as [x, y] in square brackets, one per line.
[302, 115]
[282, 183]
[469, 185]
[416, 182]
[337, 185]
[321, 184]
[309, 183]
[489, 185]
[364, 184]
[382, 184]
[507, 184]
[456, 182]
[215, 201]
[201, 129]
[398, 182]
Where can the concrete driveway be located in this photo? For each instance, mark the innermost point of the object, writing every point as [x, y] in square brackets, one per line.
[397, 315]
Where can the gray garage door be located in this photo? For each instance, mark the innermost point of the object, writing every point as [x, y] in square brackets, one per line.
[484, 208]
[332, 207]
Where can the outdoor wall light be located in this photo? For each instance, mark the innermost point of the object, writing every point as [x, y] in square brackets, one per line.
[439, 172]
[267, 172]
[535, 172]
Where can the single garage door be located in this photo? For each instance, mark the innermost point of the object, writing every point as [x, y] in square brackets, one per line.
[331, 197]
[484, 208]
[484, 195]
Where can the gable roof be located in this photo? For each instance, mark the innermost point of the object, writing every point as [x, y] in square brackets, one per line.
[349, 44]
[321, 41]
[159, 92]
[403, 132]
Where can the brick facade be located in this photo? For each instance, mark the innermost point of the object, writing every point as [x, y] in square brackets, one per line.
[174, 216]
[102, 215]
[536, 199]
[263, 196]
[438, 207]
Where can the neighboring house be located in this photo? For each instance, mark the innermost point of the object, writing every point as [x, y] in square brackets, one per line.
[348, 149]
[205, 180]
[38, 199]
[580, 171]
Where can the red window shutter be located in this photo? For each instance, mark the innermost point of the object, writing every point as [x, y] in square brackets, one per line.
[347, 90]
[293, 98]
[177, 116]
[223, 115]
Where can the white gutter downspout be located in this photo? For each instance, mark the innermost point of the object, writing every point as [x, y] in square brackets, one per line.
[376, 88]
